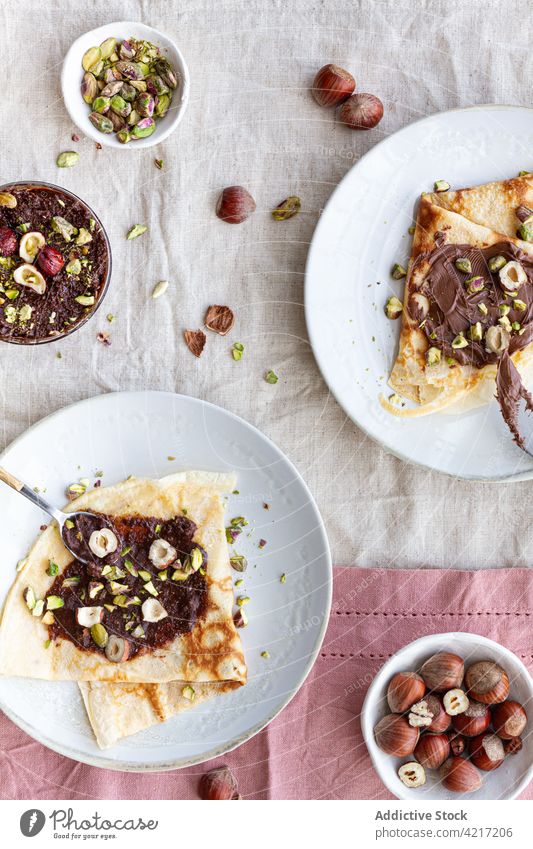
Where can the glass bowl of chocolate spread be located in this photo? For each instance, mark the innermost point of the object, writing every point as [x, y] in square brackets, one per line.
[55, 263]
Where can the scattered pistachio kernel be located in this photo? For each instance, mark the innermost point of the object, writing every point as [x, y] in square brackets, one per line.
[99, 635]
[160, 289]
[411, 230]
[516, 325]
[265, 654]
[239, 583]
[398, 271]
[271, 376]
[110, 317]
[53, 602]
[136, 231]
[476, 332]
[188, 693]
[474, 284]
[242, 600]
[52, 569]
[159, 163]
[523, 173]
[505, 323]
[69, 524]
[283, 578]
[287, 209]
[460, 341]
[395, 400]
[85, 300]
[74, 267]
[483, 309]
[441, 186]
[504, 309]
[525, 233]
[237, 351]
[67, 159]
[519, 305]
[38, 609]
[497, 262]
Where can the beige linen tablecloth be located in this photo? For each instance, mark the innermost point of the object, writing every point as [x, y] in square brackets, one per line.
[251, 120]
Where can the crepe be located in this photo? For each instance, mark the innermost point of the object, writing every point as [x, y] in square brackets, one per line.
[212, 651]
[466, 217]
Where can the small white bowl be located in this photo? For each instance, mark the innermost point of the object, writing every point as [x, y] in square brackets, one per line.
[506, 782]
[72, 75]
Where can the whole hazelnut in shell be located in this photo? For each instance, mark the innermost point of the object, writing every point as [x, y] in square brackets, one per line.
[460, 776]
[487, 752]
[235, 204]
[405, 688]
[332, 85]
[443, 671]
[475, 720]
[487, 682]
[395, 736]
[509, 720]
[432, 750]
[361, 111]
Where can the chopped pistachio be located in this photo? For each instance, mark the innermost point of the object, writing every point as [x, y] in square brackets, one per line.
[238, 562]
[180, 575]
[29, 598]
[83, 237]
[85, 300]
[67, 159]
[12, 294]
[110, 607]
[144, 575]
[48, 618]
[433, 356]
[398, 271]
[462, 263]
[53, 568]
[265, 654]
[53, 602]
[237, 351]
[393, 308]
[38, 609]
[110, 317]
[47, 644]
[71, 582]
[411, 230]
[516, 325]
[242, 600]
[149, 587]
[523, 173]
[504, 309]
[395, 399]
[497, 262]
[519, 305]
[441, 186]
[196, 559]
[283, 578]
[159, 163]
[476, 332]
[162, 575]
[474, 284]
[99, 635]
[460, 341]
[483, 309]
[138, 633]
[505, 323]
[240, 582]
[188, 693]
[525, 233]
[136, 231]
[271, 376]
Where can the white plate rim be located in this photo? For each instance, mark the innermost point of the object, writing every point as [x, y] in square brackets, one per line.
[313, 336]
[123, 766]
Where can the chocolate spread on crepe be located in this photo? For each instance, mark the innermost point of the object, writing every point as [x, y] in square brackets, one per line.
[453, 311]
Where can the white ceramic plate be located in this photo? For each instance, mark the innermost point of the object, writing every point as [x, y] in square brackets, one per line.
[511, 778]
[135, 433]
[72, 75]
[362, 232]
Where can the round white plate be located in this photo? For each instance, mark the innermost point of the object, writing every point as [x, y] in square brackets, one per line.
[135, 433]
[362, 232]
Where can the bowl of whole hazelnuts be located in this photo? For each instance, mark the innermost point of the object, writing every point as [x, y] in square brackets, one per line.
[451, 716]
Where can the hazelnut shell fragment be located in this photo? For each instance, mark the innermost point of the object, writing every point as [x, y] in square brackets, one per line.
[332, 85]
[219, 319]
[195, 341]
[219, 783]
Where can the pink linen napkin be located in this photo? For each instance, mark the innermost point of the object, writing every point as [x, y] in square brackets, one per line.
[314, 749]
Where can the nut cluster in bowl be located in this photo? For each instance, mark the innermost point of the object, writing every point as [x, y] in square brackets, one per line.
[128, 86]
[461, 723]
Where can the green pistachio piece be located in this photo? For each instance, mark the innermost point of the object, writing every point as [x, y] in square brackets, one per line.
[10, 314]
[29, 597]
[159, 163]
[12, 294]
[156, 84]
[505, 323]
[130, 70]
[523, 173]
[460, 341]
[123, 136]
[107, 47]
[53, 602]
[128, 92]
[101, 104]
[516, 325]
[196, 559]
[85, 300]
[238, 562]
[138, 632]
[474, 285]
[237, 351]
[8, 200]
[393, 308]
[242, 600]
[483, 309]
[101, 123]
[504, 309]
[497, 262]
[89, 88]
[476, 332]
[91, 58]
[188, 693]
[67, 159]
[265, 654]
[519, 305]
[120, 106]
[39, 608]
[149, 587]
[287, 209]
[525, 233]
[162, 106]
[136, 231]
[52, 569]
[180, 575]
[84, 237]
[99, 635]
[463, 264]
[167, 73]
[144, 128]
[441, 186]
[74, 267]
[398, 271]
[271, 377]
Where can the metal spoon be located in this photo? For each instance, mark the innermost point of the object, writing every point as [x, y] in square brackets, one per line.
[56, 514]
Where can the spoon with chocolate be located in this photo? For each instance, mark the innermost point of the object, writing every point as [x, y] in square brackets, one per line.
[80, 530]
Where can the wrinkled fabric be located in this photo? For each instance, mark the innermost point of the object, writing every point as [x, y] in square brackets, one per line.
[314, 749]
[252, 121]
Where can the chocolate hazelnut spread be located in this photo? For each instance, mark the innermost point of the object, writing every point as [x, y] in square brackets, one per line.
[122, 581]
[460, 314]
[70, 263]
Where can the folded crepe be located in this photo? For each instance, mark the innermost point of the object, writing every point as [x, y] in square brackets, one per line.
[203, 656]
[467, 322]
